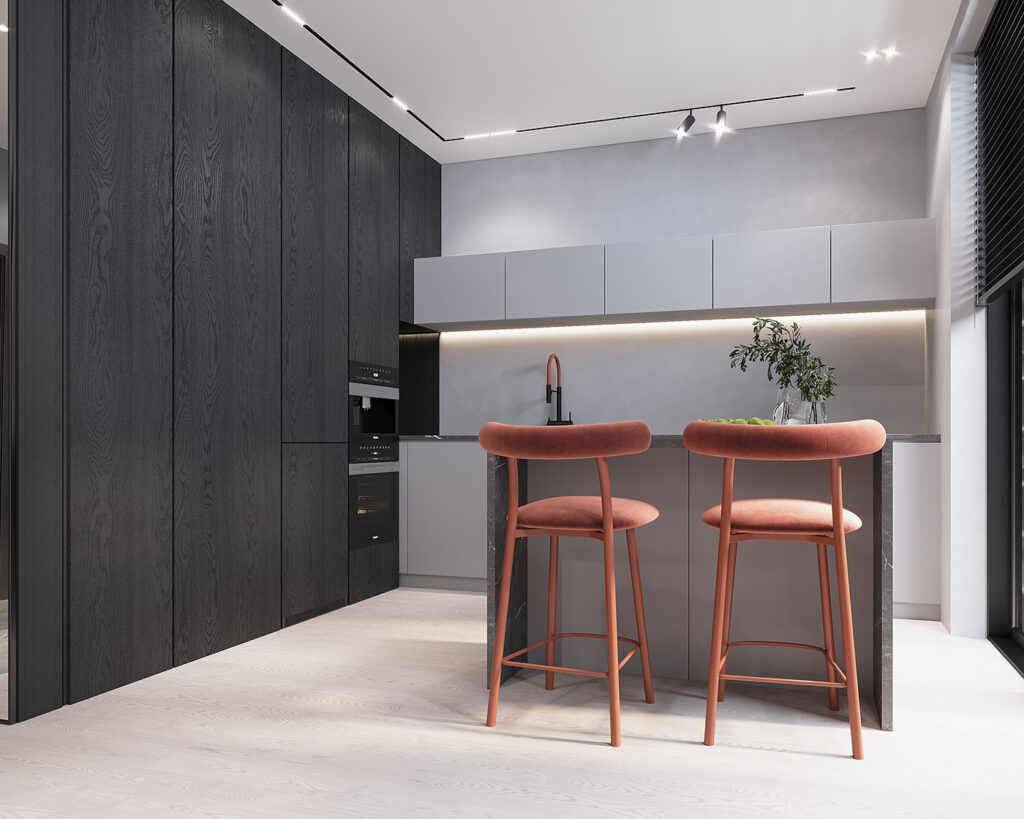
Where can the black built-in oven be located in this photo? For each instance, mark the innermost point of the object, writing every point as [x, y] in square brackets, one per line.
[372, 423]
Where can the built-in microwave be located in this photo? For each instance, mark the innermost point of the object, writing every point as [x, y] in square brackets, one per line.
[372, 423]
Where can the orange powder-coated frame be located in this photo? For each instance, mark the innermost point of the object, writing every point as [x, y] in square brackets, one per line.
[720, 643]
[606, 534]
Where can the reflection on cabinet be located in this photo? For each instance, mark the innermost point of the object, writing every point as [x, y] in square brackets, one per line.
[420, 218]
[227, 330]
[445, 509]
[314, 278]
[559, 281]
[373, 239]
[916, 539]
[875, 261]
[314, 557]
[647, 277]
[772, 267]
[460, 288]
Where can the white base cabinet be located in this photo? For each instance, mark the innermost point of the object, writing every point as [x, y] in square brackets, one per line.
[443, 509]
[916, 531]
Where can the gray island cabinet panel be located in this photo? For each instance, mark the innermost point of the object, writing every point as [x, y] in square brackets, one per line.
[558, 281]
[880, 261]
[460, 288]
[662, 276]
[772, 268]
[446, 509]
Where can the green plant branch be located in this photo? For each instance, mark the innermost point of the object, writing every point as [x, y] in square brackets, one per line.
[788, 356]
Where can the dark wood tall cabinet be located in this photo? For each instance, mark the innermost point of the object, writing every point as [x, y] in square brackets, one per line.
[119, 407]
[373, 239]
[227, 250]
[315, 197]
[419, 220]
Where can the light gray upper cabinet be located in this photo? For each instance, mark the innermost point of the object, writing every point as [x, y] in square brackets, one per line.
[879, 261]
[459, 288]
[662, 276]
[560, 281]
[446, 509]
[772, 268]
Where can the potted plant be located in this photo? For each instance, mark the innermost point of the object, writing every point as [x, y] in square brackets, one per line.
[805, 382]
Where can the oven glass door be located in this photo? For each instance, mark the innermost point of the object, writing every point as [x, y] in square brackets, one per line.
[373, 509]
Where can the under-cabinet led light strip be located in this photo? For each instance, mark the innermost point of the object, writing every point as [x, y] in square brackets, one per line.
[718, 127]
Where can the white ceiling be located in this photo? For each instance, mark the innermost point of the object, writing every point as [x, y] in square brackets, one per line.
[470, 66]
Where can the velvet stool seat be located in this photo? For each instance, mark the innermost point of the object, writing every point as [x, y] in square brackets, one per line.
[597, 517]
[787, 519]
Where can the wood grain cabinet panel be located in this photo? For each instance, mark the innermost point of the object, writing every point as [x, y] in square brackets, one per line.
[119, 404]
[373, 239]
[772, 268]
[881, 261]
[460, 288]
[662, 276]
[558, 281]
[315, 531]
[315, 255]
[227, 314]
[420, 219]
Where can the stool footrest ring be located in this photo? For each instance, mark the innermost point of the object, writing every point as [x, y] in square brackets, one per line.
[782, 681]
[508, 659]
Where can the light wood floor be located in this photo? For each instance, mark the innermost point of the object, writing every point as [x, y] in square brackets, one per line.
[376, 710]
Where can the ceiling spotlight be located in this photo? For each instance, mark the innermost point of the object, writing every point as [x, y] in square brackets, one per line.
[3, 28]
[686, 124]
[821, 92]
[871, 55]
[891, 52]
[400, 104]
[293, 15]
[720, 121]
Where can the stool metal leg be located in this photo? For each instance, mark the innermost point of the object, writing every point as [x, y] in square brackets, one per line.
[826, 623]
[718, 621]
[612, 638]
[846, 611]
[641, 620]
[729, 587]
[549, 659]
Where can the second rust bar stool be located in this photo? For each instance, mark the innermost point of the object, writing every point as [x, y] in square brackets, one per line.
[597, 517]
[787, 519]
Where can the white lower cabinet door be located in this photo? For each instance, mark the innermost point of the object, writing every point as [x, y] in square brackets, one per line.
[446, 509]
[916, 531]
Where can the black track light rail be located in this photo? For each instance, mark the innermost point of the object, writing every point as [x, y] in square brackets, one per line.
[432, 130]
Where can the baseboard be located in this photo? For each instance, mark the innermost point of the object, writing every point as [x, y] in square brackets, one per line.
[916, 611]
[430, 581]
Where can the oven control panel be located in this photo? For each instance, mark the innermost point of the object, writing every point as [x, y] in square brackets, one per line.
[368, 449]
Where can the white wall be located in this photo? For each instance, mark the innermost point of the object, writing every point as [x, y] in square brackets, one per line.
[957, 350]
[854, 169]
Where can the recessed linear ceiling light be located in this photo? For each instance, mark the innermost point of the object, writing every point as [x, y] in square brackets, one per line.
[293, 15]
[684, 128]
[821, 92]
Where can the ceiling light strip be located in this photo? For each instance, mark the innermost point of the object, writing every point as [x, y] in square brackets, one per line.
[423, 122]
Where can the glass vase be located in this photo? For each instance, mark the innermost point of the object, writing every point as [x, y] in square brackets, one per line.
[792, 407]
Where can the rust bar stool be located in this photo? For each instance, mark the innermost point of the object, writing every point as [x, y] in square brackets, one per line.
[785, 519]
[597, 517]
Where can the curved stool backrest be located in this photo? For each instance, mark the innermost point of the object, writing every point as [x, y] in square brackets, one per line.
[804, 442]
[566, 442]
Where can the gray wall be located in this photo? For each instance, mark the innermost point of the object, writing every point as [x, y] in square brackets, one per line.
[854, 169]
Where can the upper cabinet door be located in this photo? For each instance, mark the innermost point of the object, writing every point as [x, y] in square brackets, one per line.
[879, 261]
[314, 278]
[772, 268]
[373, 239]
[650, 277]
[420, 219]
[559, 281]
[460, 288]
